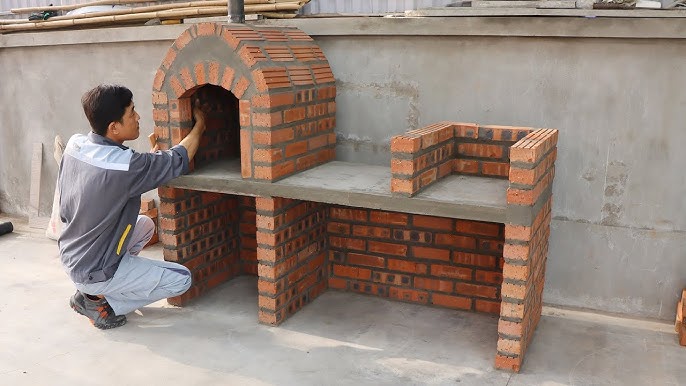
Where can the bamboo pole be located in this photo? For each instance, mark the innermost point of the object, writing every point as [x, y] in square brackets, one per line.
[151, 8]
[103, 2]
[167, 14]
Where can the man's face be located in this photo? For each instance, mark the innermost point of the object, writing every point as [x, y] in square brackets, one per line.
[128, 128]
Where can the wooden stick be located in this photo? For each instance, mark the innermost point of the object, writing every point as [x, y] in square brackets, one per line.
[101, 2]
[172, 13]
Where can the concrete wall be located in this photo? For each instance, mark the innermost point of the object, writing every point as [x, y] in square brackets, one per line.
[619, 229]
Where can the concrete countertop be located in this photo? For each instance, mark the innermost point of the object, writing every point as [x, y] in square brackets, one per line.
[360, 185]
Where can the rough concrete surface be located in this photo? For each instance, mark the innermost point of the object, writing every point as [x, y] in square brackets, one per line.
[361, 185]
[339, 339]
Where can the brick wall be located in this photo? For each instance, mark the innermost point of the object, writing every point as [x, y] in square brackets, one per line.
[201, 231]
[526, 248]
[283, 85]
[291, 250]
[221, 139]
[485, 150]
[420, 259]
[423, 156]
[247, 230]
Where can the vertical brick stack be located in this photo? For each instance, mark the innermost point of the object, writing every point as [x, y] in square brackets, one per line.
[148, 209]
[421, 259]
[529, 199]
[291, 249]
[247, 230]
[284, 87]
[420, 157]
[484, 150]
[201, 231]
[423, 156]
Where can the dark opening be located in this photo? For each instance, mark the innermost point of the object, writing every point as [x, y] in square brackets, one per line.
[221, 140]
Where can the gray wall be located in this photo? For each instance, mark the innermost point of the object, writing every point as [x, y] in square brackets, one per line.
[619, 230]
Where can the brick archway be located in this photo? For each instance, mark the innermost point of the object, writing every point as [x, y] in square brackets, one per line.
[282, 80]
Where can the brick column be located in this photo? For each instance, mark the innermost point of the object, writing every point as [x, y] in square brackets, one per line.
[529, 198]
[291, 252]
[247, 230]
[200, 231]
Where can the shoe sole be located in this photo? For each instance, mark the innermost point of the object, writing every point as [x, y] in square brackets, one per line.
[99, 326]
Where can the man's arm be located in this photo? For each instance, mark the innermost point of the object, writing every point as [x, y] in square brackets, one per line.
[192, 140]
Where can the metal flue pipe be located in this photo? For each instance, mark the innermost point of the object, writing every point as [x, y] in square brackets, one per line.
[236, 11]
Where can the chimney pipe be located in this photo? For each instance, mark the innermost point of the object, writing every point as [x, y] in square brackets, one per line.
[236, 11]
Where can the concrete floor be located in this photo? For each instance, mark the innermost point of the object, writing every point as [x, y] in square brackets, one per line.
[340, 338]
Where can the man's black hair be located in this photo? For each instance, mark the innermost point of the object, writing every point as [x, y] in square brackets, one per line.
[105, 104]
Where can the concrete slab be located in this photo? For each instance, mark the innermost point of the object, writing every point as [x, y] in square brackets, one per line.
[361, 185]
[339, 339]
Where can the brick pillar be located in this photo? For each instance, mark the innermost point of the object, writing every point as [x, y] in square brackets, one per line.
[247, 229]
[529, 198]
[200, 231]
[291, 249]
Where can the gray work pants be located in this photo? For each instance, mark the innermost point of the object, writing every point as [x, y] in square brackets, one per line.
[140, 281]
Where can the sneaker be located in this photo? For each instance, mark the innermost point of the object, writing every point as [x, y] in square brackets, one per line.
[99, 311]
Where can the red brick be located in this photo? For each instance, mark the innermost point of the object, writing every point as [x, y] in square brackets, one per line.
[408, 295]
[406, 266]
[483, 291]
[183, 40]
[466, 166]
[456, 241]
[451, 301]
[349, 214]
[273, 137]
[273, 100]
[480, 150]
[159, 79]
[227, 78]
[491, 307]
[199, 71]
[518, 232]
[246, 159]
[213, 73]
[296, 148]
[488, 277]
[392, 218]
[402, 186]
[508, 363]
[387, 248]
[431, 253]
[467, 258]
[451, 272]
[366, 260]
[370, 231]
[433, 284]
[466, 130]
[337, 283]
[478, 228]
[206, 29]
[347, 243]
[352, 272]
[516, 272]
[241, 86]
[401, 144]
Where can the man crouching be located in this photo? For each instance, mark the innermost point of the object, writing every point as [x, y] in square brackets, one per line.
[100, 184]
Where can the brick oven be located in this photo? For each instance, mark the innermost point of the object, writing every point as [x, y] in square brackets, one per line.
[460, 219]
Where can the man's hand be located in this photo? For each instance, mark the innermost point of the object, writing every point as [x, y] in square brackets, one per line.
[153, 142]
[199, 114]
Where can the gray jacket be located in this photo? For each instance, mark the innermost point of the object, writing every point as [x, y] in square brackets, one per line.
[100, 185]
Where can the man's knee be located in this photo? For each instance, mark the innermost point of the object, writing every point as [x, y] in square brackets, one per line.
[146, 225]
[183, 281]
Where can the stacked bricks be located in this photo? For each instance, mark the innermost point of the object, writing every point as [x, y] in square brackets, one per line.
[284, 87]
[529, 200]
[221, 139]
[420, 259]
[201, 231]
[423, 156]
[148, 209]
[291, 250]
[247, 230]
